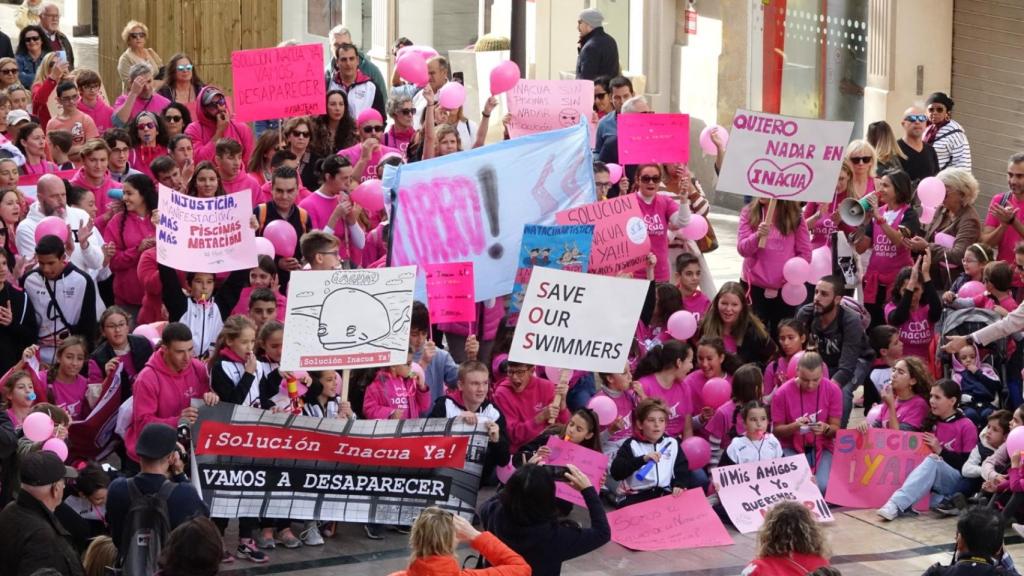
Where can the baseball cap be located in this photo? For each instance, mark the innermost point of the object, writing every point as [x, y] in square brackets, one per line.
[17, 116]
[156, 441]
[44, 468]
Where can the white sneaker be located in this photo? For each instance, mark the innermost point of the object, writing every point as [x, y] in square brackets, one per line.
[888, 512]
[311, 535]
[1018, 528]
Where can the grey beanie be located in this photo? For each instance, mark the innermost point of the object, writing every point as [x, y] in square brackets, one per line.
[592, 18]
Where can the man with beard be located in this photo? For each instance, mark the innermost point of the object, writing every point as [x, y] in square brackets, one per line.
[85, 248]
[839, 337]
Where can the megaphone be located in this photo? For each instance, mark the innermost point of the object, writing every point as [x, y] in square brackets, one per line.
[853, 212]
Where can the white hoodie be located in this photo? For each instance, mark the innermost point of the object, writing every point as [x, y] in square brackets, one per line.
[90, 260]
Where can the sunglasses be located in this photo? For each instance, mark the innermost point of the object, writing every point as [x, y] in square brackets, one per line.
[9, 71]
[372, 129]
[860, 159]
[147, 126]
[33, 39]
[650, 179]
[299, 134]
[406, 111]
[219, 101]
[915, 118]
[184, 67]
[136, 35]
[173, 118]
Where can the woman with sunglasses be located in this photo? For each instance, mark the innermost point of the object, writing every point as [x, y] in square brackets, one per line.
[335, 130]
[401, 133]
[149, 141]
[861, 157]
[176, 116]
[134, 36]
[8, 73]
[298, 132]
[602, 96]
[181, 83]
[661, 213]
[29, 53]
[367, 154]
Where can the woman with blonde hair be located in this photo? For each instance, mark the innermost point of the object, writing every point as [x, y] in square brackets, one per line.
[44, 89]
[789, 543]
[8, 73]
[99, 556]
[135, 52]
[887, 150]
[955, 217]
[861, 157]
[434, 538]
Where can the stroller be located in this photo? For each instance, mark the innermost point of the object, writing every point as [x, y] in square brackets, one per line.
[967, 321]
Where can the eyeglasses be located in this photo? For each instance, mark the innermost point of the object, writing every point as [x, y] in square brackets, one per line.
[33, 39]
[119, 150]
[650, 179]
[69, 99]
[147, 126]
[298, 134]
[173, 119]
[602, 185]
[184, 67]
[915, 118]
[8, 71]
[136, 35]
[406, 111]
[861, 159]
[372, 129]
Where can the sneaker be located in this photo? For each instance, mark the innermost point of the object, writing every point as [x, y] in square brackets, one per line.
[247, 550]
[373, 532]
[1018, 528]
[400, 529]
[287, 539]
[264, 542]
[889, 512]
[952, 506]
[311, 535]
[226, 558]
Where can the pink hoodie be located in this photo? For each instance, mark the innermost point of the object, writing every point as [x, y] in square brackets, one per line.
[388, 393]
[240, 183]
[521, 408]
[202, 129]
[762, 267]
[102, 114]
[152, 296]
[127, 288]
[160, 395]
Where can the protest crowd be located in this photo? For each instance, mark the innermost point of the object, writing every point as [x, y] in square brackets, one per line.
[176, 261]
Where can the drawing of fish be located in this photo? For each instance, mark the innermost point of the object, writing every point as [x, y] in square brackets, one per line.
[365, 321]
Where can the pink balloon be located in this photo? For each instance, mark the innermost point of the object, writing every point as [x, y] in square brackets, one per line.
[931, 191]
[716, 391]
[971, 289]
[38, 426]
[698, 452]
[52, 226]
[1015, 441]
[58, 447]
[707, 145]
[504, 77]
[682, 325]
[614, 172]
[606, 409]
[282, 236]
[418, 370]
[927, 214]
[794, 294]
[821, 264]
[413, 68]
[796, 270]
[369, 195]
[451, 96]
[426, 52]
[793, 364]
[944, 240]
[696, 229]
[264, 247]
[147, 331]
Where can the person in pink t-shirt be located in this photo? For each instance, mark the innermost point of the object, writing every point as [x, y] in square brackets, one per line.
[660, 374]
[805, 415]
[1003, 228]
[904, 399]
[667, 301]
[727, 421]
[90, 86]
[688, 278]
[823, 217]
[366, 155]
[915, 307]
[70, 118]
[711, 363]
[661, 214]
[331, 203]
[792, 338]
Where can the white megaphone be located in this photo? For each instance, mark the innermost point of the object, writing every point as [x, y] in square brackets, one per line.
[853, 212]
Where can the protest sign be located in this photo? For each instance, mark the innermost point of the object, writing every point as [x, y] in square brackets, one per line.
[748, 491]
[252, 462]
[868, 468]
[566, 322]
[557, 247]
[450, 292]
[282, 82]
[472, 206]
[620, 236]
[783, 157]
[592, 463]
[360, 318]
[669, 523]
[542, 105]
[92, 438]
[205, 234]
[647, 138]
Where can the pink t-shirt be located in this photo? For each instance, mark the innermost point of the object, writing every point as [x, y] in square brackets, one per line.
[886, 258]
[695, 382]
[624, 404]
[320, 208]
[656, 215]
[718, 426]
[697, 303]
[916, 333]
[677, 398]
[370, 172]
[70, 397]
[910, 412]
[820, 405]
[1010, 236]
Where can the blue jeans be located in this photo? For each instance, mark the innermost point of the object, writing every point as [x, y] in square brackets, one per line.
[824, 466]
[932, 476]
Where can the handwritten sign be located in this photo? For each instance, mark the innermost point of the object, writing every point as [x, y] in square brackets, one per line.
[748, 491]
[566, 322]
[450, 292]
[783, 157]
[558, 247]
[205, 234]
[360, 318]
[669, 523]
[868, 468]
[645, 138]
[542, 105]
[278, 82]
[620, 236]
[592, 463]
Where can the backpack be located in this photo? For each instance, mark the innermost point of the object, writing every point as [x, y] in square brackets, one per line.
[145, 530]
[261, 217]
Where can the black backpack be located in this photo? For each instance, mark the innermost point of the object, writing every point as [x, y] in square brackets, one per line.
[145, 530]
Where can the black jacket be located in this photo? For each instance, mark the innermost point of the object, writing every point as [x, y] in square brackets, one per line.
[969, 566]
[8, 452]
[31, 538]
[6, 50]
[183, 504]
[139, 351]
[598, 55]
[841, 344]
[756, 348]
[23, 329]
[497, 452]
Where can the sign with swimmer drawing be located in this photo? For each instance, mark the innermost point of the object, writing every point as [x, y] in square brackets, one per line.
[339, 319]
[783, 157]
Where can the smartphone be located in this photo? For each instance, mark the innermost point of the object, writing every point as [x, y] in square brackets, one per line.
[558, 472]
[62, 56]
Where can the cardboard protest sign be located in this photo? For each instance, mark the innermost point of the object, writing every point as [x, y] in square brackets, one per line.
[542, 105]
[278, 82]
[472, 206]
[620, 236]
[450, 292]
[557, 247]
[669, 523]
[566, 322]
[205, 234]
[748, 491]
[252, 462]
[591, 462]
[868, 468]
[348, 318]
[783, 157]
[93, 438]
[646, 138]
